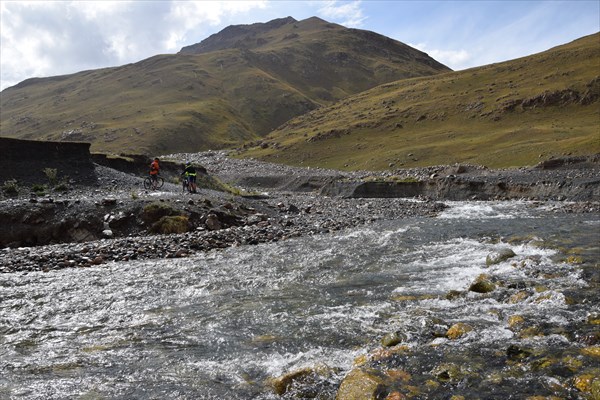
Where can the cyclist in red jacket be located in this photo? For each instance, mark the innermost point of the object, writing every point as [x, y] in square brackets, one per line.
[154, 171]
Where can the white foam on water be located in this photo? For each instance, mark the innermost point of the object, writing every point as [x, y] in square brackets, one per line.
[450, 265]
[484, 210]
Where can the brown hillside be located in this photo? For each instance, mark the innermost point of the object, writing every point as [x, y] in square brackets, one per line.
[209, 95]
[513, 113]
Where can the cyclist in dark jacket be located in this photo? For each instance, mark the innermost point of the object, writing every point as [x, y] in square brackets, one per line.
[189, 173]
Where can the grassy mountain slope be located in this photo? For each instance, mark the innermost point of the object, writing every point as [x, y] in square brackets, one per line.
[513, 113]
[235, 86]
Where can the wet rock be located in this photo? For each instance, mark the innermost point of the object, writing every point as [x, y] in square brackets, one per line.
[518, 297]
[499, 256]
[516, 353]
[392, 339]
[359, 385]
[591, 351]
[282, 384]
[530, 332]
[454, 294]
[515, 321]
[449, 372]
[303, 383]
[458, 330]
[589, 384]
[482, 285]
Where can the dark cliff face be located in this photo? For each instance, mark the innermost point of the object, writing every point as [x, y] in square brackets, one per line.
[26, 160]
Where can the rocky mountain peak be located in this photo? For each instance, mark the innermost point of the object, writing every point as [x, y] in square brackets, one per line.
[237, 36]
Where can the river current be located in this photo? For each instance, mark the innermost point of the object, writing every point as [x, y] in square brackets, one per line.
[219, 325]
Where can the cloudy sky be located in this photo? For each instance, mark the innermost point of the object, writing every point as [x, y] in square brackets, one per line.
[48, 38]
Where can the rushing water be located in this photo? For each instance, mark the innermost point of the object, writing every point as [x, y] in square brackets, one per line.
[218, 325]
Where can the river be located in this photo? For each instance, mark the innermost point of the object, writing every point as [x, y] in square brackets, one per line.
[219, 325]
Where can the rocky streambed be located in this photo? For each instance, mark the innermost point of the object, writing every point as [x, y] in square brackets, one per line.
[396, 298]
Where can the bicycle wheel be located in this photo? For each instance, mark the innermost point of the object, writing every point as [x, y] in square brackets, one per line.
[148, 183]
[160, 182]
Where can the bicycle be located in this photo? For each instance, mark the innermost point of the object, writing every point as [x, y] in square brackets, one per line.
[150, 184]
[186, 185]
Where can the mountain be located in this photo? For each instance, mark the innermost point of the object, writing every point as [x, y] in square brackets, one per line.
[513, 113]
[235, 86]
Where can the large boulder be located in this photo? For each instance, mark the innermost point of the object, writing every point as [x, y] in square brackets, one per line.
[498, 256]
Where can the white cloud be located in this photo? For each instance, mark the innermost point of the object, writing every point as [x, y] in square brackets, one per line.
[455, 59]
[46, 38]
[349, 14]
[187, 18]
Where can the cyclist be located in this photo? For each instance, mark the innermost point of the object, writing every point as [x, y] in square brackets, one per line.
[154, 171]
[189, 174]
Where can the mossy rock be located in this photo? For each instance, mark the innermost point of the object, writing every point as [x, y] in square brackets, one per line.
[302, 383]
[170, 224]
[155, 211]
[458, 330]
[587, 383]
[359, 385]
[454, 294]
[516, 353]
[594, 319]
[498, 256]
[392, 339]
[282, 384]
[592, 351]
[482, 285]
[515, 321]
[518, 297]
[530, 332]
[449, 372]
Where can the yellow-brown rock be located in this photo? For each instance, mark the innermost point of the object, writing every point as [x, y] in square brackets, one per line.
[283, 383]
[593, 351]
[458, 330]
[515, 321]
[395, 396]
[359, 385]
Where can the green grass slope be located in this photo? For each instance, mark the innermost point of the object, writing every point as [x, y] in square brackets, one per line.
[509, 114]
[210, 96]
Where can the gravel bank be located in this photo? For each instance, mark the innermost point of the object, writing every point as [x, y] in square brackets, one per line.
[277, 214]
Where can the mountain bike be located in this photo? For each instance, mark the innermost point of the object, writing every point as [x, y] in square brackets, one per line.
[150, 184]
[186, 185]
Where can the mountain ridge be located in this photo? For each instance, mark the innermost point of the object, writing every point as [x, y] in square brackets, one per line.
[515, 113]
[209, 100]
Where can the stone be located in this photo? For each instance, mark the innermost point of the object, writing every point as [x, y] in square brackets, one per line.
[458, 330]
[282, 384]
[482, 285]
[212, 222]
[499, 256]
[449, 372]
[516, 353]
[392, 339]
[359, 385]
[109, 201]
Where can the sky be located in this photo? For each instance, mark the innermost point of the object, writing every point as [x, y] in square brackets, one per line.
[50, 38]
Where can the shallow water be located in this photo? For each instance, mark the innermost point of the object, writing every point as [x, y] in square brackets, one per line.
[218, 325]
